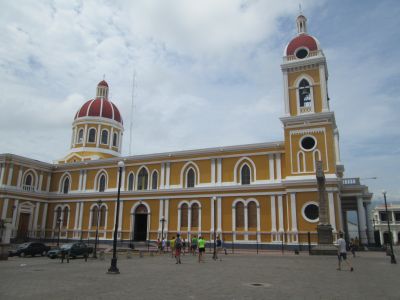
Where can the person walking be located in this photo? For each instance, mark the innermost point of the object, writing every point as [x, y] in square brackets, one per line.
[202, 247]
[193, 246]
[163, 245]
[342, 253]
[219, 247]
[178, 249]
[172, 245]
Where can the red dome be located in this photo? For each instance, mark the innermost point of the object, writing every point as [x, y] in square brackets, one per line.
[99, 107]
[300, 41]
[103, 83]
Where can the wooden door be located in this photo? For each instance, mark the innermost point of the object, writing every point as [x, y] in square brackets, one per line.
[23, 226]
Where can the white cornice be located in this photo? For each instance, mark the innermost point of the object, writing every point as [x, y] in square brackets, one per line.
[98, 120]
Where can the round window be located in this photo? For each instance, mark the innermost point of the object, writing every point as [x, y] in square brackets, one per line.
[308, 143]
[311, 212]
[301, 53]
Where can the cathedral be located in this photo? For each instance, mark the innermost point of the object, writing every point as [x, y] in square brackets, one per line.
[264, 193]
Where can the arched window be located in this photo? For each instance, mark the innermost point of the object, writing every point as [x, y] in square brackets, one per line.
[154, 181]
[58, 213]
[239, 215]
[102, 183]
[143, 179]
[104, 137]
[245, 174]
[252, 215]
[103, 216]
[130, 182]
[115, 139]
[95, 214]
[80, 136]
[184, 215]
[65, 189]
[28, 180]
[304, 93]
[190, 178]
[92, 135]
[194, 222]
[65, 217]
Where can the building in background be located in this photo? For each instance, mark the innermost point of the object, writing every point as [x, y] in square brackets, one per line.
[257, 193]
[380, 219]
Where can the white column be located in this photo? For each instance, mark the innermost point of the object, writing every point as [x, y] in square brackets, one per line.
[286, 93]
[213, 171]
[121, 209]
[293, 211]
[189, 219]
[168, 172]
[271, 167]
[278, 166]
[3, 168]
[15, 213]
[280, 212]
[85, 135]
[162, 176]
[178, 228]
[273, 215]
[212, 214]
[76, 223]
[331, 203]
[233, 222]
[123, 179]
[166, 224]
[337, 148]
[35, 218]
[219, 171]
[160, 215]
[84, 180]
[44, 218]
[361, 220]
[98, 135]
[80, 181]
[40, 184]
[48, 182]
[258, 223]
[199, 219]
[10, 174]
[81, 207]
[120, 142]
[19, 180]
[111, 138]
[5, 208]
[246, 223]
[219, 224]
[73, 138]
[339, 208]
[324, 93]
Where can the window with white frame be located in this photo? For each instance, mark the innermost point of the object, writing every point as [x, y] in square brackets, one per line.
[245, 174]
[92, 135]
[131, 179]
[304, 91]
[65, 186]
[115, 139]
[102, 183]
[190, 178]
[104, 137]
[154, 181]
[143, 179]
[79, 139]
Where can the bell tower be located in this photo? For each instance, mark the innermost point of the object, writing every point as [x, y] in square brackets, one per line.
[310, 127]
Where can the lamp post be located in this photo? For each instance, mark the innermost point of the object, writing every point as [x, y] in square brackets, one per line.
[392, 257]
[97, 228]
[162, 220]
[215, 234]
[113, 268]
[59, 229]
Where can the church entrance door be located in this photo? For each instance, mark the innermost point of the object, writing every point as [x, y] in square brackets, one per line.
[140, 223]
[23, 226]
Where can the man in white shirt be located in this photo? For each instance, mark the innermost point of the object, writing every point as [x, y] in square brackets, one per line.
[342, 252]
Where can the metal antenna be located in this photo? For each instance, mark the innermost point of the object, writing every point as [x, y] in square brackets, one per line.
[300, 11]
[132, 106]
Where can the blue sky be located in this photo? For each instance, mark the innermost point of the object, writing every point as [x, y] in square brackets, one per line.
[207, 74]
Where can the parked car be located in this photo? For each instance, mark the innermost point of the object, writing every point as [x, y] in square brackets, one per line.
[31, 248]
[73, 249]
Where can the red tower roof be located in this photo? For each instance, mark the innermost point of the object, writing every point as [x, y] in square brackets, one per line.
[99, 107]
[103, 83]
[302, 41]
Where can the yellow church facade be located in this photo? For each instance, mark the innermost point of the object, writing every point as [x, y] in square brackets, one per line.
[257, 193]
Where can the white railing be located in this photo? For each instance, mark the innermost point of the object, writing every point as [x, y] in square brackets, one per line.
[310, 54]
[28, 188]
[305, 109]
[351, 181]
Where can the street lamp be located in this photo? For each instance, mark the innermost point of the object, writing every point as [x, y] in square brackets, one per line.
[162, 220]
[59, 229]
[97, 228]
[392, 257]
[215, 234]
[113, 268]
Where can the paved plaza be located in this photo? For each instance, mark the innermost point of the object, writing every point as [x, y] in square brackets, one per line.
[239, 276]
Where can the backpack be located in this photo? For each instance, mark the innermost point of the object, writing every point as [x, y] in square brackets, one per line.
[178, 243]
